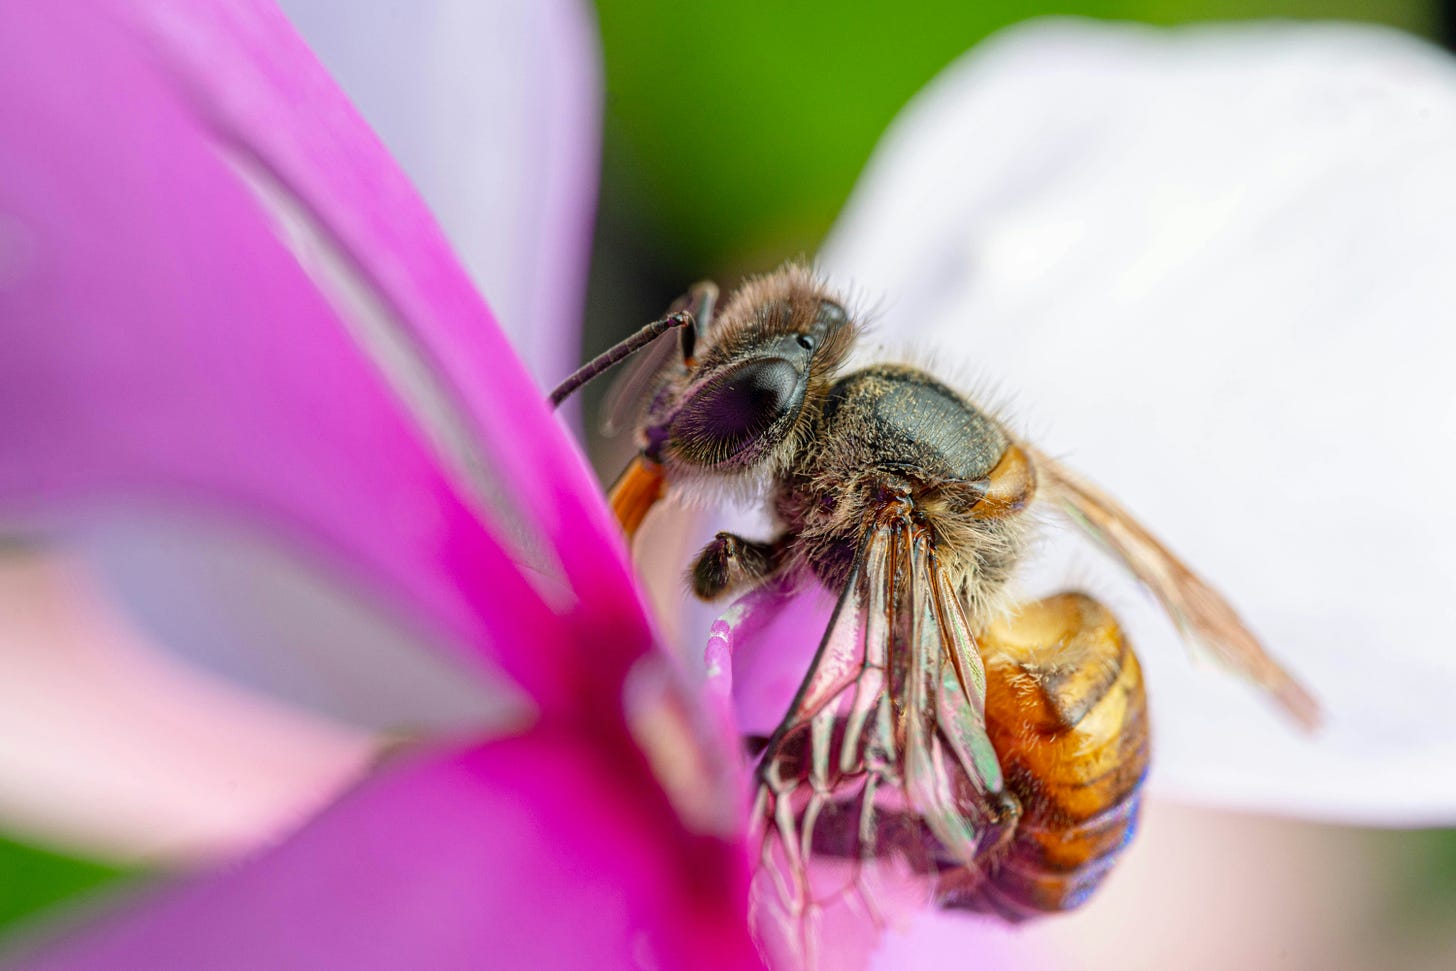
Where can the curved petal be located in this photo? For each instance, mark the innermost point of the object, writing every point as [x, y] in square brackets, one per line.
[759, 649]
[1213, 267]
[355, 221]
[225, 314]
[539, 851]
[492, 111]
[239, 606]
[109, 748]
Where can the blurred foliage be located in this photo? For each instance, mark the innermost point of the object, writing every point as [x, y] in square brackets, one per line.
[1428, 894]
[736, 128]
[32, 879]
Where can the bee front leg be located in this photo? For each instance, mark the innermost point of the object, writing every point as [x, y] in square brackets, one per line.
[730, 562]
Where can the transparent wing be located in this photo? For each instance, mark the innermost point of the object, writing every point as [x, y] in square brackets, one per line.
[881, 771]
[1202, 615]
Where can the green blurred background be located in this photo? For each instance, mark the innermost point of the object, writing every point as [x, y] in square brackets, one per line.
[734, 131]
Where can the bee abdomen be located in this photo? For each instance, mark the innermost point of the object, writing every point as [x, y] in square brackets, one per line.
[1067, 715]
[1048, 869]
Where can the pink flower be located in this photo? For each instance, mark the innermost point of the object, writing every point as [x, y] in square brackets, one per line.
[223, 298]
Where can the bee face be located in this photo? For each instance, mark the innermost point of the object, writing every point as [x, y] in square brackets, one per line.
[746, 400]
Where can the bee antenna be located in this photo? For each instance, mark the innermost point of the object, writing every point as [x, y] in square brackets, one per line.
[617, 352]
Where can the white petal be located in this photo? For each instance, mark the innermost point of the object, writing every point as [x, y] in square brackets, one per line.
[1214, 267]
[492, 110]
[256, 614]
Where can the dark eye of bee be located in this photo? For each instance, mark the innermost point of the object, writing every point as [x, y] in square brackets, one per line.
[731, 416]
[747, 409]
[749, 399]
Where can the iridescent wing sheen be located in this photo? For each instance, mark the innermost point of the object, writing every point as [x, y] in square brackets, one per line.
[883, 758]
[1201, 614]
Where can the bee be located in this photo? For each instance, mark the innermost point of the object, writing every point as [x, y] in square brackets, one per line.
[997, 749]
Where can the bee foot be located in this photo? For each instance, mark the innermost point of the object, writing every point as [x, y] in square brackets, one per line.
[731, 561]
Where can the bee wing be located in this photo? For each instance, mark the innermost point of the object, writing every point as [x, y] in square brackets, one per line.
[1201, 614]
[884, 750]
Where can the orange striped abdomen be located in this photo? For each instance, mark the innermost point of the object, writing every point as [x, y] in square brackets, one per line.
[1067, 715]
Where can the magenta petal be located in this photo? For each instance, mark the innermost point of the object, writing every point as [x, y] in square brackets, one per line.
[170, 166]
[263, 91]
[542, 851]
[760, 649]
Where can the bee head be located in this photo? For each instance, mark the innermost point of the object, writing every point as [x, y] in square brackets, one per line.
[759, 377]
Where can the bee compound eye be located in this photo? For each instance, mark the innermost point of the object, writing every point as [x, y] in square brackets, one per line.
[742, 404]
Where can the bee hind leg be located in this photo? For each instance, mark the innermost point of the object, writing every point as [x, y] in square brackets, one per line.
[731, 562]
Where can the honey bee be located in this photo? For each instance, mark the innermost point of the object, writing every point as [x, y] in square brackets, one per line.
[997, 749]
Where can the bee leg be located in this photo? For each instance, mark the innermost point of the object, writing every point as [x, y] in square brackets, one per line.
[730, 561]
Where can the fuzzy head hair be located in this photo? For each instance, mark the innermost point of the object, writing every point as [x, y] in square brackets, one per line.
[746, 403]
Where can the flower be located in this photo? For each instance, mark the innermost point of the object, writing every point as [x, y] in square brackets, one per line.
[505, 154]
[243, 311]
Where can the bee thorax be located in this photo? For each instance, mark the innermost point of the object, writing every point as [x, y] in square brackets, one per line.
[893, 441]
